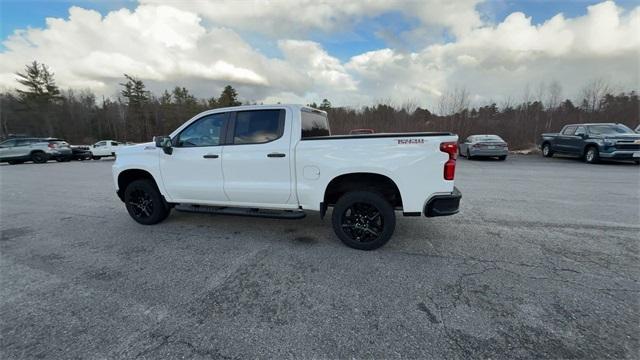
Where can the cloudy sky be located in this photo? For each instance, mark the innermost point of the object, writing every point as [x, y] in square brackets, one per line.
[353, 53]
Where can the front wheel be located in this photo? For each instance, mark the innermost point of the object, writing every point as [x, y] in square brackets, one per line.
[145, 203]
[592, 156]
[363, 220]
[546, 150]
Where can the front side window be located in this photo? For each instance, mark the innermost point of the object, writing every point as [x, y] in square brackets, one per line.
[8, 143]
[205, 131]
[580, 131]
[100, 143]
[259, 126]
[314, 123]
[569, 130]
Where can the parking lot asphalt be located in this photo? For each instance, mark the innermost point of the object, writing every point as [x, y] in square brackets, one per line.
[542, 261]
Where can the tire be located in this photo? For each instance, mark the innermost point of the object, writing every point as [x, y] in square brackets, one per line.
[145, 203]
[39, 157]
[637, 162]
[468, 155]
[15, 162]
[95, 157]
[363, 220]
[546, 150]
[591, 155]
[502, 158]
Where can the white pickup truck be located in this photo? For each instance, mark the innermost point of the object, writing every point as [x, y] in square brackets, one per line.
[281, 161]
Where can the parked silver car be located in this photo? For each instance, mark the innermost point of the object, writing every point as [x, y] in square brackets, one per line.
[484, 146]
[38, 150]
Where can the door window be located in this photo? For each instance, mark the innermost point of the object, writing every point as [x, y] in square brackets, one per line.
[8, 144]
[205, 131]
[23, 142]
[580, 131]
[569, 130]
[258, 126]
[314, 123]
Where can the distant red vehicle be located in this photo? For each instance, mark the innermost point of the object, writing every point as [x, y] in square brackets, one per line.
[361, 131]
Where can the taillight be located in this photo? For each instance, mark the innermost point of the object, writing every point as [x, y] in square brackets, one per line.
[52, 145]
[450, 148]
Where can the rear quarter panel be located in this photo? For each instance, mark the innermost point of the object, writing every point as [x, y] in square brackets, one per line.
[416, 166]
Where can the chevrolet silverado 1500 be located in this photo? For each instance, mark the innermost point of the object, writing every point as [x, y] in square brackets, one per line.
[281, 161]
[593, 142]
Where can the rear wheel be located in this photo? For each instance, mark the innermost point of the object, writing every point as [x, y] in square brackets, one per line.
[592, 155]
[15, 162]
[502, 158]
[39, 157]
[145, 203]
[546, 150]
[363, 220]
[95, 157]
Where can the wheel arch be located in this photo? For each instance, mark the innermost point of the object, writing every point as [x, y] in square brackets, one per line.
[343, 183]
[128, 176]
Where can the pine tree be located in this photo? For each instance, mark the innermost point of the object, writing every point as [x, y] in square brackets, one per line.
[325, 105]
[228, 97]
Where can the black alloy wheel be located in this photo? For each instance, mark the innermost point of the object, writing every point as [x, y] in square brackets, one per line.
[363, 220]
[145, 203]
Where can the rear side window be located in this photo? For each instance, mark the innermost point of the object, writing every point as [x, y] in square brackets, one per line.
[258, 126]
[26, 142]
[569, 130]
[314, 124]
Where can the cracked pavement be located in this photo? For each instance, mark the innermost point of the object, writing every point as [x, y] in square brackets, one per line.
[541, 262]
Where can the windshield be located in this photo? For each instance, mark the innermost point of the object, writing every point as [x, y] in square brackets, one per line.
[609, 129]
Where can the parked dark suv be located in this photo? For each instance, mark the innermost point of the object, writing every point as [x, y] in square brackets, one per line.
[594, 142]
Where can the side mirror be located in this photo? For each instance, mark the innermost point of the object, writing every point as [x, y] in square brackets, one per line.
[164, 142]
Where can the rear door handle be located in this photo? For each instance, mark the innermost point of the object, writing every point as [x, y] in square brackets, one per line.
[211, 156]
[276, 155]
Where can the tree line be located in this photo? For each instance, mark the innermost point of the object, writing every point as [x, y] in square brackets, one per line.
[41, 108]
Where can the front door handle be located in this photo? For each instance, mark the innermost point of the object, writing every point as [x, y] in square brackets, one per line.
[211, 156]
[276, 155]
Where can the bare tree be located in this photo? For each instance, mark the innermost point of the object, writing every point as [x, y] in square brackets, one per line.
[593, 92]
[454, 101]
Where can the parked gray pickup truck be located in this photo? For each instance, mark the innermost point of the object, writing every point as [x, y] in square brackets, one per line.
[593, 142]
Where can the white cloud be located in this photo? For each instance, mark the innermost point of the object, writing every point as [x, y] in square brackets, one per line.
[283, 18]
[495, 62]
[198, 45]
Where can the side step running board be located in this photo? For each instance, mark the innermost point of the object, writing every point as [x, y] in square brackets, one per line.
[221, 210]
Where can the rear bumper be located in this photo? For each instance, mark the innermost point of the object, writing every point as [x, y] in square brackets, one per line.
[489, 152]
[443, 205]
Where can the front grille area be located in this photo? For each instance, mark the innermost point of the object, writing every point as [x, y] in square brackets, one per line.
[627, 146]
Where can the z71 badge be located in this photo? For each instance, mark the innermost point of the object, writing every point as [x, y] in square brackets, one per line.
[410, 141]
